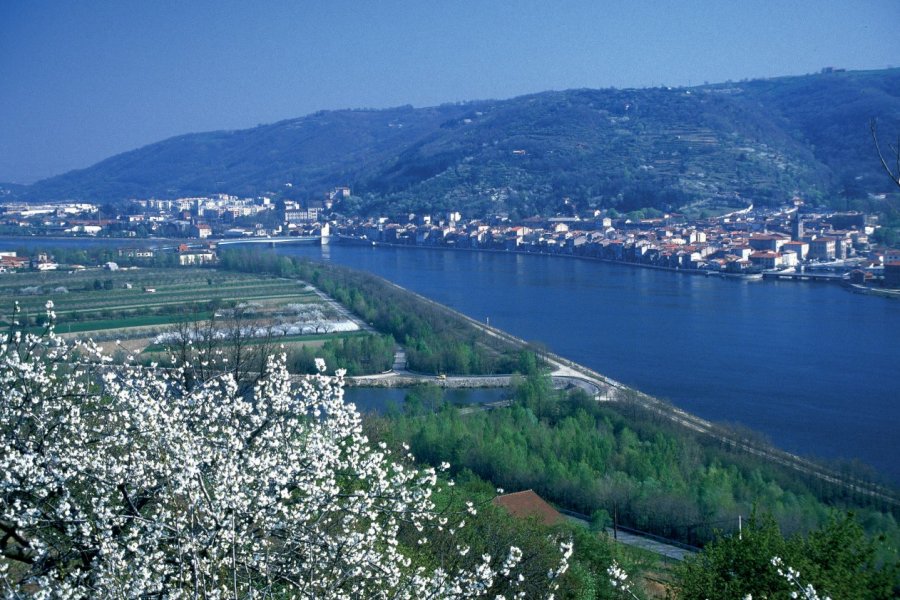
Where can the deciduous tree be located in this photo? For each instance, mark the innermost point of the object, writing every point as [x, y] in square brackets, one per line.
[120, 481]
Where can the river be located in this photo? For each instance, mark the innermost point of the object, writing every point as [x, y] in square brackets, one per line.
[810, 365]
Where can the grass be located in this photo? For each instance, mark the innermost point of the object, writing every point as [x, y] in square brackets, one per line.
[173, 286]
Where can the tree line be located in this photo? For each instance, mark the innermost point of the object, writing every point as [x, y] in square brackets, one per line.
[436, 339]
[594, 459]
[357, 355]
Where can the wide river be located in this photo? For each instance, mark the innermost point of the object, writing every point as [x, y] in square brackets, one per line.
[812, 366]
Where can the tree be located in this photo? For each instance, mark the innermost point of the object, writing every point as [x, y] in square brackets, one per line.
[122, 481]
[230, 341]
[735, 566]
[837, 559]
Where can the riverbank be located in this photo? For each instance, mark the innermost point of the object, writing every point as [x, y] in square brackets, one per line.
[344, 239]
[755, 276]
[762, 356]
[620, 392]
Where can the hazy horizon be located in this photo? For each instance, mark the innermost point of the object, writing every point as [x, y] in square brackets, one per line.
[91, 80]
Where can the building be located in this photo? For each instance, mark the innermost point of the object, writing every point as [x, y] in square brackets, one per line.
[341, 191]
[308, 215]
[201, 230]
[137, 252]
[789, 258]
[843, 247]
[848, 220]
[797, 227]
[766, 260]
[527, 504]
[9, 260]
[822, 248]
[767, 242]
[892, 275]
[196, 257]
[801, 249]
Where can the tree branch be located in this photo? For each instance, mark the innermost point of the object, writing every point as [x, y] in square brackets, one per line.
[20, 554]
[895, 177]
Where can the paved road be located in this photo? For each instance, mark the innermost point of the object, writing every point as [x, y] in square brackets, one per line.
[635, 540]
[651, 545]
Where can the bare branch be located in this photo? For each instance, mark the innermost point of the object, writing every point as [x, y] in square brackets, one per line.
[895, 177]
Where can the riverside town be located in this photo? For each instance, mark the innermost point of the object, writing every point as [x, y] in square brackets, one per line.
[793, 241]
[450, 300]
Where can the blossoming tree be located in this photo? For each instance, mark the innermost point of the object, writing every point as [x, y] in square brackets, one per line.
[122, 481]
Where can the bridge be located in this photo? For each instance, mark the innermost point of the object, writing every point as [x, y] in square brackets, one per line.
[270, 241]
[296, 239]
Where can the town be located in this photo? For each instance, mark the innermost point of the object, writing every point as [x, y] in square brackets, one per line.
[788, 242]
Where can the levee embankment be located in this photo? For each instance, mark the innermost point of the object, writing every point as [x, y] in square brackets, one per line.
[609, 389]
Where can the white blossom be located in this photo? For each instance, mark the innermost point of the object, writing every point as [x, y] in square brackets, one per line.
[806, 592]
[618, 579]
[122, 481]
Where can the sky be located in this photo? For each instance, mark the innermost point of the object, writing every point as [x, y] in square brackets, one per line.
[83, 80]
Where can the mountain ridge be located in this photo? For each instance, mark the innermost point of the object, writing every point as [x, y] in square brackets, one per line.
[759, 140]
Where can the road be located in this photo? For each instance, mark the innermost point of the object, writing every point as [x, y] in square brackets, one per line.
[658, 546]
[400, 376]
[651, 545]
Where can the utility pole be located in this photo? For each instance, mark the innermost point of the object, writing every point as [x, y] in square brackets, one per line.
[616, 521]
[740, 528]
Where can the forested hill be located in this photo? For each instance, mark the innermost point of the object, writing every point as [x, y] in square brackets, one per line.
[763, 140]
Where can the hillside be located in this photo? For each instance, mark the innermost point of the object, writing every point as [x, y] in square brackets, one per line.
[760, 140]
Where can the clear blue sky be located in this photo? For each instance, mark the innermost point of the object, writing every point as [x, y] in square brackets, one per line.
[82, 80]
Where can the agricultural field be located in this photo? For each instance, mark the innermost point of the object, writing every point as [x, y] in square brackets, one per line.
[146, 310]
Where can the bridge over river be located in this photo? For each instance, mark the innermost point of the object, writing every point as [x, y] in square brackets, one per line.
[267, 241]
[272, 241]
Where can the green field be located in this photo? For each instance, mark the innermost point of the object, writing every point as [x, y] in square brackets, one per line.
[126, 323]
[77, 294]
[139, 304]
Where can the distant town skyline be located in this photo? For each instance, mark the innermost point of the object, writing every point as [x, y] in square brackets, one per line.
[83, 81]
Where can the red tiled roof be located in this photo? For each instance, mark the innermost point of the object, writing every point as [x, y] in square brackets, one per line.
[528, 504]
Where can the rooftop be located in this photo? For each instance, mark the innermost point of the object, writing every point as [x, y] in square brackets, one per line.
[527, 504]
